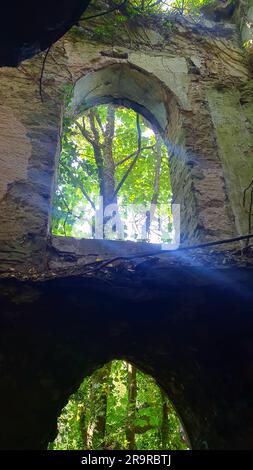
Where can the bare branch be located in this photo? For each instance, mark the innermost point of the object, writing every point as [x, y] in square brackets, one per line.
[64, 224]
[135, 158]
[98, 119]
[69, 212]
[148, 147]
[110, 122]
[42, 72]
[116, 7]
[157, 170]
[91, 117]
[97, 148]
[80, 185]
[84, 132]
[156, 187]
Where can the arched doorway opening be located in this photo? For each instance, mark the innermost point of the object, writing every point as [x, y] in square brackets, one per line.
[119, 407]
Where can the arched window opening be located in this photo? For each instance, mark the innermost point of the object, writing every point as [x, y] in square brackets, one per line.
[119, 407]
[113, 178]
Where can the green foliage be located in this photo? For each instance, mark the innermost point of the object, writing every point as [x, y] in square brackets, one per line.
[248, 44]
[148, 409]
[161, 7]
[79, 176]
[69, 435]
[133, 10]
[190, 7]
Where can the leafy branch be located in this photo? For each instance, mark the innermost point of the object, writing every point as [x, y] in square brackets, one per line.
[147, 147]
[78, 184]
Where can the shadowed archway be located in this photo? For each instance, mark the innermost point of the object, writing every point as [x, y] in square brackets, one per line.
[180, 340]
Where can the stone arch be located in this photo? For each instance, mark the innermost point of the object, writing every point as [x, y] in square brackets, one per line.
[164, 105]
[126, 85]
[199, 168]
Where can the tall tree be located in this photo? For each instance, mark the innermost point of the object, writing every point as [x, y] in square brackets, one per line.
[101, 139]
[98, 395]
[119, 407]
[131, 406]
[156, 188]
[109, 152]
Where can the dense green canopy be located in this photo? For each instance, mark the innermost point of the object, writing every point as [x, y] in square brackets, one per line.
[111, 152]
[119, 407]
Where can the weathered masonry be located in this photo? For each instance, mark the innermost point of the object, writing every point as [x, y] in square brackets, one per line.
[194, 83]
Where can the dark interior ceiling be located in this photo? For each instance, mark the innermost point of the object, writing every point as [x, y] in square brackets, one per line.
[28, 27]
[189, 327]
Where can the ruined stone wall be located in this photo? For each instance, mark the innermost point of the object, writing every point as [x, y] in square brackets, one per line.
[194, 83]
[204, 90]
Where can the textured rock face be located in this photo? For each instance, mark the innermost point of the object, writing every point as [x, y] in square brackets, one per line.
[180, 78]
[15, 152]
[232, 114]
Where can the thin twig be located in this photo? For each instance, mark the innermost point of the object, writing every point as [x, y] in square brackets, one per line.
[161, 252]
[102, 13]
[134, 160]
[245, 191]
[70, 211]
[79, 184]
[42, 72]
[84, 132]
[250, 185]
[64, 224]
[148, 147]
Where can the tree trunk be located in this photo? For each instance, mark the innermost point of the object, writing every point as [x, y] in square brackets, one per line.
[107, 188]
[103, 154]
[96, 428]
[101, 137]
[131, 408]
[83, 427]
[109, 165]
[156, 188]
[158, 152]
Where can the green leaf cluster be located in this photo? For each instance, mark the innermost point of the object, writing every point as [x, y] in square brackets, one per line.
[78, 173]
[148, 408]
